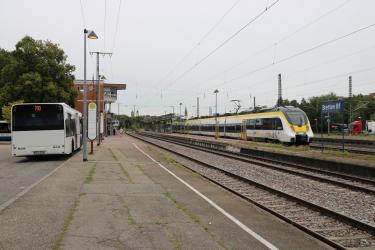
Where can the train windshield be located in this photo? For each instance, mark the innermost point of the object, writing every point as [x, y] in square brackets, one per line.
[296, 118]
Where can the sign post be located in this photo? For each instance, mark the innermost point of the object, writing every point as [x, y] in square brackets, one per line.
[334, 107]
[92, 124]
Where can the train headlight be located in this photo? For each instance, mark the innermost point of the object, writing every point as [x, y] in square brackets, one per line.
[307, 127]
[292, 128]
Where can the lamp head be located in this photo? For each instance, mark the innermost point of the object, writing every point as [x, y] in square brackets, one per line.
[91, 35]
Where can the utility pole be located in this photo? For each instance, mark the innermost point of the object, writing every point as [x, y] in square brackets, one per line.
[279, 99]
[98, 100]
[350, 100]
[197, 106]
[254, 102]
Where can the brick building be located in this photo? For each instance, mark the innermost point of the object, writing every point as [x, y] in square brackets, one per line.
[108, 95]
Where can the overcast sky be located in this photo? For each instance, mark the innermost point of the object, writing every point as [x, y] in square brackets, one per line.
[159, 47]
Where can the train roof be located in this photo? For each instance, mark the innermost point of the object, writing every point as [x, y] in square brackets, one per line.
[256, 111]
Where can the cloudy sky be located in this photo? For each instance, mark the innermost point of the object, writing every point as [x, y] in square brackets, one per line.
[172, 51]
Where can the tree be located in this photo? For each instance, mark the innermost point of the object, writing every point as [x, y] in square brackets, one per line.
[186, 112]
[36, 71]
[7, 110]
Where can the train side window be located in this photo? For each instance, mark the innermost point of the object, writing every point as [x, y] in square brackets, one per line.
[238, 128]
[259, 124]
[278, 123]
[267, 123]
[250, 124]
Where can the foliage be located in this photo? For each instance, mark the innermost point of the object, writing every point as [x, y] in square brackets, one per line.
[362, 108]
[130, 122]
[7, 110]
[36, 71]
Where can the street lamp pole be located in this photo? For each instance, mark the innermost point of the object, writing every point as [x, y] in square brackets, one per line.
[216, 128]
[90, 35]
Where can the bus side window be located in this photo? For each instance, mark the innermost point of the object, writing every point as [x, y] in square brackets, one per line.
[67, 127]
[73, 129]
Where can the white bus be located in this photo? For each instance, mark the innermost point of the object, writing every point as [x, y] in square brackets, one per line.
[45, 128]
[5, 133]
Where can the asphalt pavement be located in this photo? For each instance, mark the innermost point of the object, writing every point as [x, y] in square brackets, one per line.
[16, 174]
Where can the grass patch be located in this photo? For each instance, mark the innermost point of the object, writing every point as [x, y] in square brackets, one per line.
[146, 174]
[194, 218]
[130, 216]
[68, 221]
[126, 173]
[113, 154]
[91, 174]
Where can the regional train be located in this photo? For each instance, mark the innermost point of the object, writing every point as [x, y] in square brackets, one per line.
[288, 125]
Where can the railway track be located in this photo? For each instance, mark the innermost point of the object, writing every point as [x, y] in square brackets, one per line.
[340, 179]
[351, 148]
[335, 228]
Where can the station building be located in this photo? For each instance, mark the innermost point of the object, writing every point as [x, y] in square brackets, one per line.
[108, 95]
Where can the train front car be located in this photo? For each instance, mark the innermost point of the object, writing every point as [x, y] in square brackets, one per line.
[298, 124]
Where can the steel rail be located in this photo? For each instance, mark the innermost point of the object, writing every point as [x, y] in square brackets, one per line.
[273, 164]
[326, 212]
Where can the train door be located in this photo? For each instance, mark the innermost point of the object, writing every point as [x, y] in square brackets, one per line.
[243, 130]
[278, 128]
[274, 131]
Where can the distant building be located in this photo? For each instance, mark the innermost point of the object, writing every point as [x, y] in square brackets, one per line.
[108, 95]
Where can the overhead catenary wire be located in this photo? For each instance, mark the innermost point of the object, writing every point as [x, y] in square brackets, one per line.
[297, 54]
[271, 79]
[117, 25]
[223, 43]
[275, 44]
[104, 27]
[82, 14]
[187, 55]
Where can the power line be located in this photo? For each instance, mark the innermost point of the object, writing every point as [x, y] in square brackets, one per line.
[298, 54]
[105, 19]
[82, 14]
[198, 43]
[273, 45]
[223, 43]
[117, 24]
[308, 68]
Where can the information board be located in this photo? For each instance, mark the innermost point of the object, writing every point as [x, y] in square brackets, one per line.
[91, 121]
[332, 106]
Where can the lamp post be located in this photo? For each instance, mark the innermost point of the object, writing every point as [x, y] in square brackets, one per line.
[216, 128]
[90, 35]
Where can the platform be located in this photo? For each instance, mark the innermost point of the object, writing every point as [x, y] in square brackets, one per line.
[130, 195]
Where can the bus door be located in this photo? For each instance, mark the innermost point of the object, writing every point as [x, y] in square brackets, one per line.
[243, 130]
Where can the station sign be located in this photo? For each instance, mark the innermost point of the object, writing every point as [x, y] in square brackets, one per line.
[332, 106]
[91, 121]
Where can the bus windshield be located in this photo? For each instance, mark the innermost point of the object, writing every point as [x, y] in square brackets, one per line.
[37, 117]
[296, 118]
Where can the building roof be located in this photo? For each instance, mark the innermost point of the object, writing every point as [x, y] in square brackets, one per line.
[117, 86]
